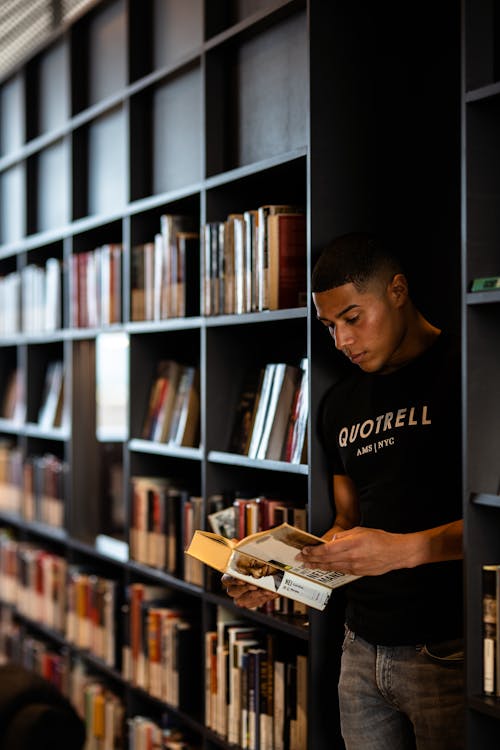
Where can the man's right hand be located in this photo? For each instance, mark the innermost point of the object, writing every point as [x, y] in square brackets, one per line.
[245, 594]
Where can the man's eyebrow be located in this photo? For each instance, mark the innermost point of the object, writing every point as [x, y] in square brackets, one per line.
[342, 312]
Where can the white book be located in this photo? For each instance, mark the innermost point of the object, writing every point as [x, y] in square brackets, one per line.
[263, 396]
[277, 385]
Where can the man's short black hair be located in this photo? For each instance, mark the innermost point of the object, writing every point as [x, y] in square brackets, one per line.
[356, 258]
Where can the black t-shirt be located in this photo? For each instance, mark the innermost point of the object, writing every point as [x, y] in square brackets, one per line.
[397, 436]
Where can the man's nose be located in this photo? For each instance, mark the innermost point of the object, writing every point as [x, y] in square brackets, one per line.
[342, 338]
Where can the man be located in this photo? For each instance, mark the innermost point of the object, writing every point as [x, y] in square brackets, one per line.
[391, 432]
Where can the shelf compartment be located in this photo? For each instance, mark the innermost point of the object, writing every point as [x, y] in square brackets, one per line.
[163, 32]
[48, 203]
[48, 91]
[483, 190]
[40, 358]
[100, 182]
[100, 38]
[231, 353]
[165, 126]
[146, 351]
[12, 115]
[13, 204]
[483, 422]
[256, 102]
[482, 44]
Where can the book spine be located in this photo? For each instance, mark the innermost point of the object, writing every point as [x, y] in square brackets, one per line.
[490, 575]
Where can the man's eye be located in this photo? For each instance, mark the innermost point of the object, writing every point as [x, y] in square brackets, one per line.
[353, 320]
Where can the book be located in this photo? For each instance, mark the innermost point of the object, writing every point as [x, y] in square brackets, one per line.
[141, 281]
[297, 426]
[485, 284]
[285, 383]
[251, 225]
[287, 260]
[267, 560]
[491, 625]
[246, 408]
[53, 285]
[172, 372]
[170, 226]
[185, 421]
[262, 254]
[161, 400]
[51, 395]
[259, 418]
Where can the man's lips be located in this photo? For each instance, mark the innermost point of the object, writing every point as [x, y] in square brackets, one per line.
[356, 358]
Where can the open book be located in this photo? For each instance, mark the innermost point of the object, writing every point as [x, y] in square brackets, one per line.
[267, 559]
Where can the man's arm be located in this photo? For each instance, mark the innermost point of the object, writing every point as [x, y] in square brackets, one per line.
[362, 551]
[346, 505]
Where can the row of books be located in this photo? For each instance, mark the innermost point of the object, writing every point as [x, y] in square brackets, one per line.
[91, 614]
[237, 514]
[163, 519]
[33, 580]
[161, 646]
[102, 710]
[145, 734]
[255, 687]
[96, 286]
[153, 642]
[104, 714]
[173, 410]
[165, 271]
[31, 652]
[254, 261]
[30, 299]
[251, 261]
[79, 604]
[491, 629]
[32, 487]
[272, 413]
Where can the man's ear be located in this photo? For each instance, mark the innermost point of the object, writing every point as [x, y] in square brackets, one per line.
[398, 289]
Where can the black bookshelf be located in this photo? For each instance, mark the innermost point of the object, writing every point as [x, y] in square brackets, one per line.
[206, 109]
[481, 195]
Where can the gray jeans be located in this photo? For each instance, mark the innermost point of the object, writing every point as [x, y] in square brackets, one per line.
[402, 697]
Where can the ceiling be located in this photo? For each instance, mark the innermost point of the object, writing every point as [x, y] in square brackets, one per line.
[27, 25]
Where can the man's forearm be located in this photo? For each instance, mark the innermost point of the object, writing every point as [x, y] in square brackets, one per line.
[435, 545]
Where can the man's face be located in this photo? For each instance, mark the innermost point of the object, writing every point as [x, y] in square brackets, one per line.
[368, 327]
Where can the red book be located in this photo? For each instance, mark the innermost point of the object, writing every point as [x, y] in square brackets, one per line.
[287, 260]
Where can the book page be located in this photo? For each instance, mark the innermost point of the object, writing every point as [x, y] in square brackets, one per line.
[281, 545]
